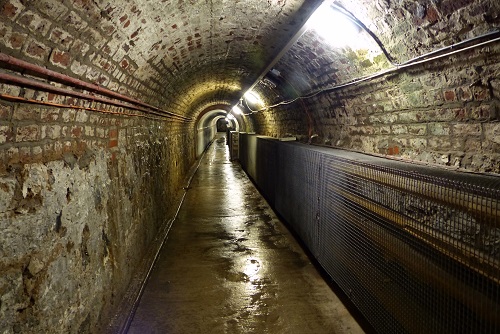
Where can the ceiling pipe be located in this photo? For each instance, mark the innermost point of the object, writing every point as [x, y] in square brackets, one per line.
[4, 58]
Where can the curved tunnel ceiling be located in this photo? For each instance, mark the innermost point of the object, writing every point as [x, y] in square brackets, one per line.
[186, 56]
[210, 117]
[189, 54]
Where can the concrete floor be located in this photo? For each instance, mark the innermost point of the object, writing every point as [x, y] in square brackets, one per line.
[230, 266]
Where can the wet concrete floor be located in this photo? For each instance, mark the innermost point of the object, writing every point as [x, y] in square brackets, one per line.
[230, 266]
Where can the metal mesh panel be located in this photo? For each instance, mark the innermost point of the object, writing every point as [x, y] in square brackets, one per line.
[243, 153]
[251, 156]
[266, 178]
[297, 193]
[234, 145]
[417, 249]
[426, 246]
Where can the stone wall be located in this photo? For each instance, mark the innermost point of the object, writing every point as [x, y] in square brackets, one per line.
[82, 194]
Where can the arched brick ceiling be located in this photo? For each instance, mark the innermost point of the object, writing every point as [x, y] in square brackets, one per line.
[186, 55]
[172, 53]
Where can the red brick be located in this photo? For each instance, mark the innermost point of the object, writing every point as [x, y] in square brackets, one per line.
[60, 58]
[113, 133]
[76, 131]
[61, 37]
[464, 94]
[82, 145]
[35, 23]
[37, 50]
[449, 95]
[460, 114]
[16, 40]
[113, 143]
[481, 93]
[11, 9]
[124, 63]
[432, 14]
[25, 112]
[5, 112]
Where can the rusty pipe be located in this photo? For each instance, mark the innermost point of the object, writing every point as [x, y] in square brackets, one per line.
[16, 79]
[82, 84]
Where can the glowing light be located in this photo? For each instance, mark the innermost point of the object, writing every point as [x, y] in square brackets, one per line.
[237, 110]
[230, 117]
[335, 28]
[252, 98]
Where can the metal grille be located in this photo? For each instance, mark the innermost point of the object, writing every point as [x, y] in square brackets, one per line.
[297, 187]
[417, 249]
[430, 241]
[243, 153]
[266, 168]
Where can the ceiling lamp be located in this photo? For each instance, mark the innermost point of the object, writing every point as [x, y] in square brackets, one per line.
[335, 27]
[252, 98]
[237, 110]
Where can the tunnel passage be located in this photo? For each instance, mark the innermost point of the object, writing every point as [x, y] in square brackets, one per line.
[101, 103]
[236, 268]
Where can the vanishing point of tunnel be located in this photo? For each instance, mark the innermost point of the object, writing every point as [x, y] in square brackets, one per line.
[249, 166]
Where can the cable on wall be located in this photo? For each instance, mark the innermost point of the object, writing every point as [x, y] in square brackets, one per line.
[24, 82]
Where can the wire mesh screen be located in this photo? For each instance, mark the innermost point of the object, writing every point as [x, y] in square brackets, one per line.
[243, 153]
[297, 192]
[433, 239]
[265, 176]
[416, 249]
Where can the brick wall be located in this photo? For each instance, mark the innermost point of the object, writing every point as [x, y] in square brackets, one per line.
[82, 195]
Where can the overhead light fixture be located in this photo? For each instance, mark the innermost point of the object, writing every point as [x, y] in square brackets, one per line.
[334, 26]
[252, 98]
[237, 110]
[230, 117]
